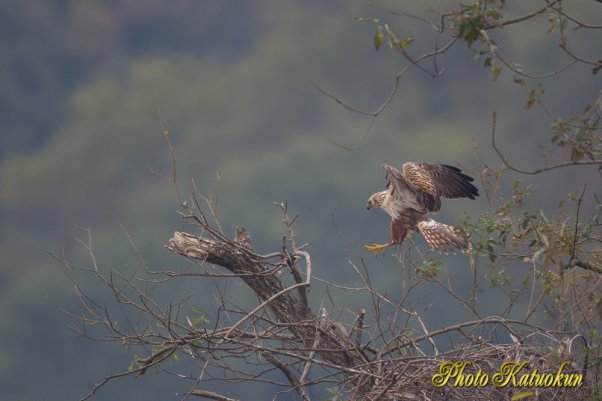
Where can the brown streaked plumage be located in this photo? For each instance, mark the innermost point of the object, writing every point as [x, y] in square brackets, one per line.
[414, 192]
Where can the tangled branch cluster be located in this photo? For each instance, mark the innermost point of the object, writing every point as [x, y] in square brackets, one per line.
[281, 342]
[374, 364]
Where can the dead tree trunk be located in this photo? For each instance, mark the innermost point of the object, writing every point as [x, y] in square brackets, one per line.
[289, 305]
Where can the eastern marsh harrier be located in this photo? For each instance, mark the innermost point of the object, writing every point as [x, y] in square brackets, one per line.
[414, 192]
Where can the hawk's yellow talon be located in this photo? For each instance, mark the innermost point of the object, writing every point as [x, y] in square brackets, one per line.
[377, 247]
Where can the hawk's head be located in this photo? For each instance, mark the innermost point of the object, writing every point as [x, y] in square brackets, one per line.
[376, 200]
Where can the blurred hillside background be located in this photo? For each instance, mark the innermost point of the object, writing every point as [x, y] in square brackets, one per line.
[86, 87]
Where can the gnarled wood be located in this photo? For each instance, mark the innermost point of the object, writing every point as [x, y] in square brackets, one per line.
[289, 309]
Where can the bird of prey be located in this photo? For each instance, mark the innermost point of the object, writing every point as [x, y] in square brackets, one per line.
[414, 192]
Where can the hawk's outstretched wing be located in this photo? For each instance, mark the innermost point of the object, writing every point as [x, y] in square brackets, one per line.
[439, 180]
[404, 195]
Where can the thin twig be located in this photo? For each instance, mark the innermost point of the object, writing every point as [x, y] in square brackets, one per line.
[210, 395]
[539, 170]
[297, 385]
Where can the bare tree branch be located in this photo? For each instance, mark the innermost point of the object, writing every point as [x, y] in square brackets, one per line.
[539, 170]
[210, 395]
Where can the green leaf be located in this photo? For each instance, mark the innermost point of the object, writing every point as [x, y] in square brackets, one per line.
[522, 394]
[496, 70]
[494, 14]
[554, 25]
[533, 97]
[135, 364]
[577, 154]
[379, 38]
[470, 29]
[491, 251]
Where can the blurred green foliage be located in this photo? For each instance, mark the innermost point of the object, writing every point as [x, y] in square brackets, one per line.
[86, 88]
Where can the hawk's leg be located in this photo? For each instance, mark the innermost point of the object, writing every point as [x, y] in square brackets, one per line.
[378, 247]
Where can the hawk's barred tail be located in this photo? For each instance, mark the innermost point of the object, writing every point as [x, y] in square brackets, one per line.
[444, 238]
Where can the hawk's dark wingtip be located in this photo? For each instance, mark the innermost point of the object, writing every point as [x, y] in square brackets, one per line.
[462, 183]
